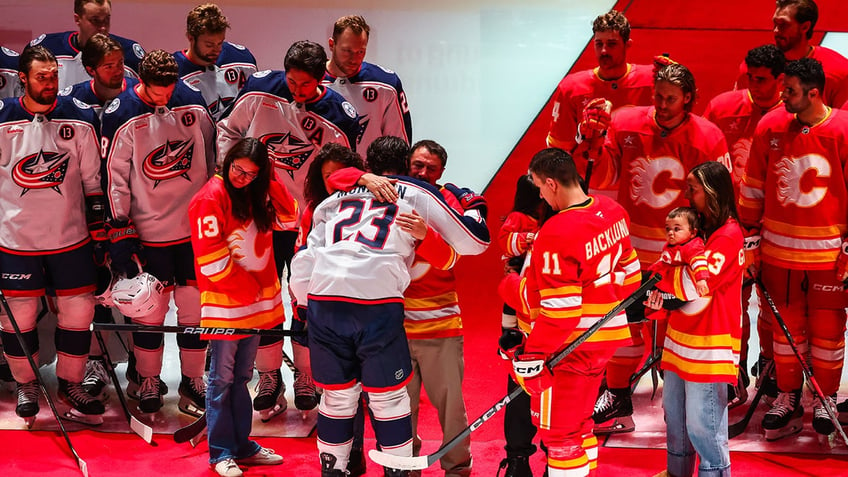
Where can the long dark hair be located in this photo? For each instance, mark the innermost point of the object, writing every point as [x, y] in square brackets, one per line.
[718, 189]
[528, 201]
[313, 189]
[251, 201]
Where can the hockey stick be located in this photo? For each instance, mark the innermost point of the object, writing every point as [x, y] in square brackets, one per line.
[422, 462]
[193, 330]
[191, 431]
[143, 430]
[808, 373]
[80, 463]
[289, 363]
[739, 427]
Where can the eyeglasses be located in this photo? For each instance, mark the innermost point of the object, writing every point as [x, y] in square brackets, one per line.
[239, 172]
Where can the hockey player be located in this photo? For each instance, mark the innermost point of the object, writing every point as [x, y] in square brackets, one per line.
[91, 16]
[159, 142]
[346, 361]
[737, 113]
[10, 85]
[50, 176]
[582, 265]
[794, 188]
[103, 60]
[216, 67]
[794, 22]
[375, 91]
[620, 82]
[291, 113]
[648, 152]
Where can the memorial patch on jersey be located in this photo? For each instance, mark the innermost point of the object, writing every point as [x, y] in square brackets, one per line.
[370, 94]
[231, 75]
[188, 119]
[66, 132]
[169, 160]
[288, 152]
[41, 170]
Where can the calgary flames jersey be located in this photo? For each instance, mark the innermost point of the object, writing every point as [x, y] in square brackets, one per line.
[650, 164]
[795, 186]
[294, 132]
[49, 163]
[157, 158]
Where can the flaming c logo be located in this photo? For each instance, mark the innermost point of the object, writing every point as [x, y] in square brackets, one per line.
[169, 160]
[288, 152]
[41, 170]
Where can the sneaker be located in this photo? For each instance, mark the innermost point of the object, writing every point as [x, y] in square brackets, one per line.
[149, 395]
[613, 412]
[228, 468]
[785, 416]
[516, 466]
[94, 381]
[821, 419]
[305, 393]
[263, 457]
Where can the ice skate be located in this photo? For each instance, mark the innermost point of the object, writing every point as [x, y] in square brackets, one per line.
[134, 380]
[769, 380]
[192, 396]
[613, 412]
[83, 407]
[27, 408]
[328, 462]
[270, 398]
[356, 465]
[785, 416]
[149, 395]
[516, 466]
[95, 379]
[306, 396]
[821, 420]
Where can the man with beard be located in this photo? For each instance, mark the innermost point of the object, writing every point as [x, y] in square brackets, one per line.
[216, 67]
[620, 82]
[794, 21]
[51, 198]
[92, 16]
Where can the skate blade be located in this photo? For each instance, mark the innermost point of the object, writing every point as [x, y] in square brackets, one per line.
[87, 419]
[618, 425]
[29, 421]
[266, 415]
[188, 406]
[197, 439]
[793, 427]
[827, 440]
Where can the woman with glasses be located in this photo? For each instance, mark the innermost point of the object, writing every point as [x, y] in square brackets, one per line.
[232, 218]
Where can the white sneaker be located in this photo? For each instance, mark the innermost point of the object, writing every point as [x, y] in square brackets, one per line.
[228, 468]
[263, 457]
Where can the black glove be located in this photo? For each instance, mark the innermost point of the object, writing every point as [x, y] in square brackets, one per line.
[124, 248]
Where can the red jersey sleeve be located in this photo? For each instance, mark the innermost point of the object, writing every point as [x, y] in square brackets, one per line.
[513, 233]
[344, 179]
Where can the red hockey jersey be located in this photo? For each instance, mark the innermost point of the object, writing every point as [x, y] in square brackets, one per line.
[683, 258]
[795, 185]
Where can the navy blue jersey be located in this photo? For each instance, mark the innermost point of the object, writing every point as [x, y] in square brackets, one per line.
[66, 48]
[85, 92]
[10, 83]
[220, 83]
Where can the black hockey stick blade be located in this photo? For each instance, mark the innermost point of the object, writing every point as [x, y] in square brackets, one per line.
[422, 462]
[191, 431]
[812, 383]
[737, 428]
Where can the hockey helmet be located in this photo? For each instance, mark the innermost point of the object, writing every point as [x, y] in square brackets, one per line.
[137, 296]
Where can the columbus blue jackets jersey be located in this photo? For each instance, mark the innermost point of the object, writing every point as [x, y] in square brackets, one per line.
[294, 132]
[377, 94]
[157, 158]
[220, 83]
[357, 252]
[85, 92]
[10, 84]
[48, 163]
[66, 49]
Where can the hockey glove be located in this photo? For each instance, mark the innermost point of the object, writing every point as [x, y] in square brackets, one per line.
[752, 252]
[596, 120]
[95, 215]
[661, 61]
[510, 342]
[299, 324]
[124, 245]
[842, 263]
[469, 200]
[531, 373]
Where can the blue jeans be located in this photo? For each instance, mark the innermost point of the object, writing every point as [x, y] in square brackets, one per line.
[696, 421]
[229, 410]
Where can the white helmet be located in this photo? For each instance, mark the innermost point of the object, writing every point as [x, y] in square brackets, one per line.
[137, 296]
[105, 297]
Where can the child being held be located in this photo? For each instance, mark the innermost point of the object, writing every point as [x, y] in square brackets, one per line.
[682, 254]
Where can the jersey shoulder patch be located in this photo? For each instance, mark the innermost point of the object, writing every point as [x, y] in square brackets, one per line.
[261, 74]
[9, 52]
[237, 46]
[138, 51]
[385, 69]
[38, 40]
[79, 103]
[349, 109]
[66, 91]
[113, 106]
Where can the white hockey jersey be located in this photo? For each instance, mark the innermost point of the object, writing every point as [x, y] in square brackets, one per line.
[157, 158]
[65, 47]
[10, 83]
[357, 252]
[220, 83]
[49, 163]
[377, 94]
[294, 132]
[85, 92]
